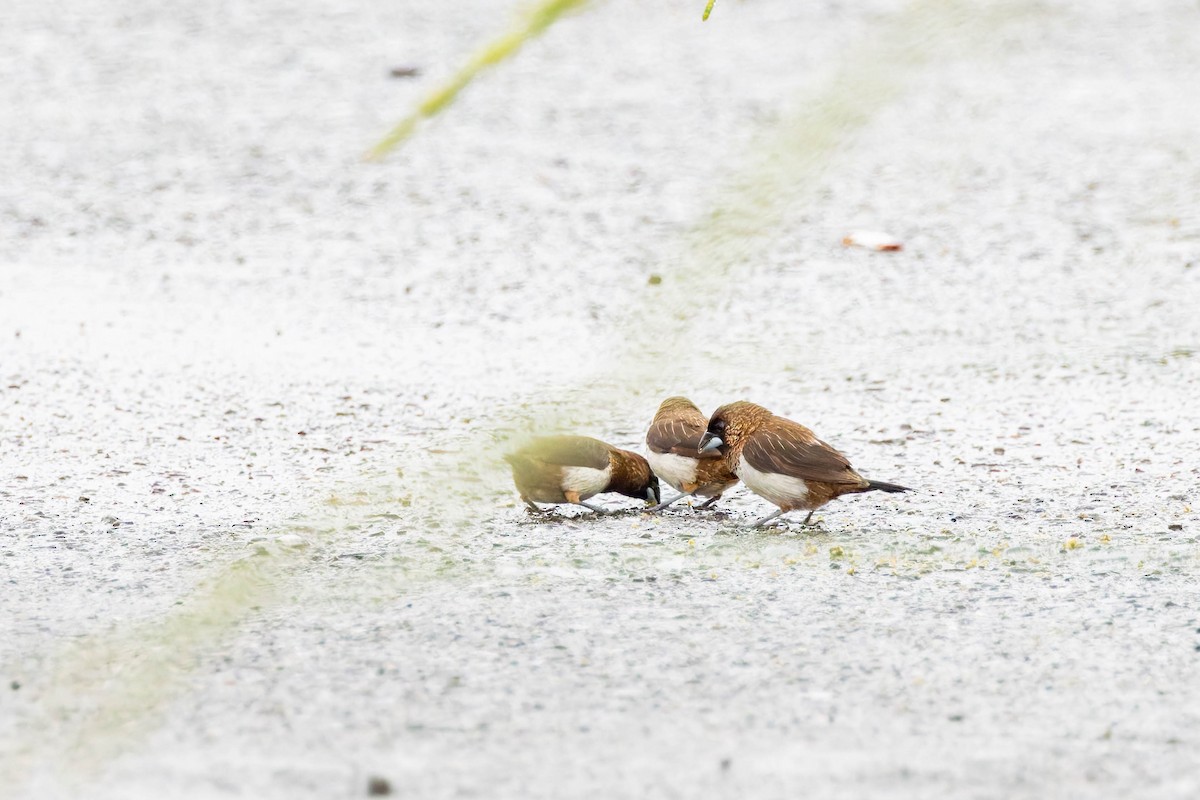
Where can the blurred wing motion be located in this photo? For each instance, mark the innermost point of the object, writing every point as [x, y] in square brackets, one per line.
[566, 451]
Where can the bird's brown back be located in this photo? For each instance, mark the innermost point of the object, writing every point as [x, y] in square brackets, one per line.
[781, 446]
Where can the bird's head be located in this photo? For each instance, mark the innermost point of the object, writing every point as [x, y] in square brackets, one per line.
[653, 493]
[732, 423]
[633, 477]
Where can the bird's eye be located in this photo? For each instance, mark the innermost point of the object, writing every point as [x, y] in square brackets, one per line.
[719, 425]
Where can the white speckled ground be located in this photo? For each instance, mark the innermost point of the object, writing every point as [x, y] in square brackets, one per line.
[255, 538]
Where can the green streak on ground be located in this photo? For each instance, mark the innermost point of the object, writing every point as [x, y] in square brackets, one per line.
[535, 24]
[108, 689]
[708, 9]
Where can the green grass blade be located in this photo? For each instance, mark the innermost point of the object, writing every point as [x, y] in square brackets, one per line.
[708, 9]
[538, 20]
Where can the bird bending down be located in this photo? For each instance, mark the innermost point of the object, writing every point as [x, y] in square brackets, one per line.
[571, 469]
[673, 450]
[783, 461]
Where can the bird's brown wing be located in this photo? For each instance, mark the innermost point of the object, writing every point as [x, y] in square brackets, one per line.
[679, 434]
[788, 448]
[569, 451]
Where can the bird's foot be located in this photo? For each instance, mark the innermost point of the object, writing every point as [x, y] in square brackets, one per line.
[767, 519]
[664, 504]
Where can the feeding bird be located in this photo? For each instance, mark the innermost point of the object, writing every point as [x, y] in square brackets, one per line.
[673, 450]
[571, 469]
[783, 461]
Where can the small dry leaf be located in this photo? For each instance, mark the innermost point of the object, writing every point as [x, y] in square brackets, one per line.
[873, 240]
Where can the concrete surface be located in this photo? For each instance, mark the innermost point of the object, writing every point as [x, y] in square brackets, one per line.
[255, 535]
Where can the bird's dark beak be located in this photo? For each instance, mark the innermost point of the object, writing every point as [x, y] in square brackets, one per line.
[710, 442]
[651, 495]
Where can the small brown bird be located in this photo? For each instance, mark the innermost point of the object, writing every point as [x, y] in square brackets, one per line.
[783, 461]
[570, 469]
[673, 449]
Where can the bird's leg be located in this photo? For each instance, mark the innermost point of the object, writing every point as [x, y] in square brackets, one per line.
[708, 503]
[573, 498]
[661, 506]
[767, 519]
[809, 517]
[533, 507]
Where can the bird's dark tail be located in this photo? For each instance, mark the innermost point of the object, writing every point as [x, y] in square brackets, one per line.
[880, 486]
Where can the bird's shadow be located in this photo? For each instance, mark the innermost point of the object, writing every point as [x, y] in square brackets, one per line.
[733, 528]
[559, 514]
[728, 523]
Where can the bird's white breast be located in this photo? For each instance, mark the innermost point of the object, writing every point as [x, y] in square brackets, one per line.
[585, 480]
[782, 490]
[674, 469]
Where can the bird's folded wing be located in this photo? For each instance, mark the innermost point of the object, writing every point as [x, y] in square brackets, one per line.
[678, 436]
[793, 450]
